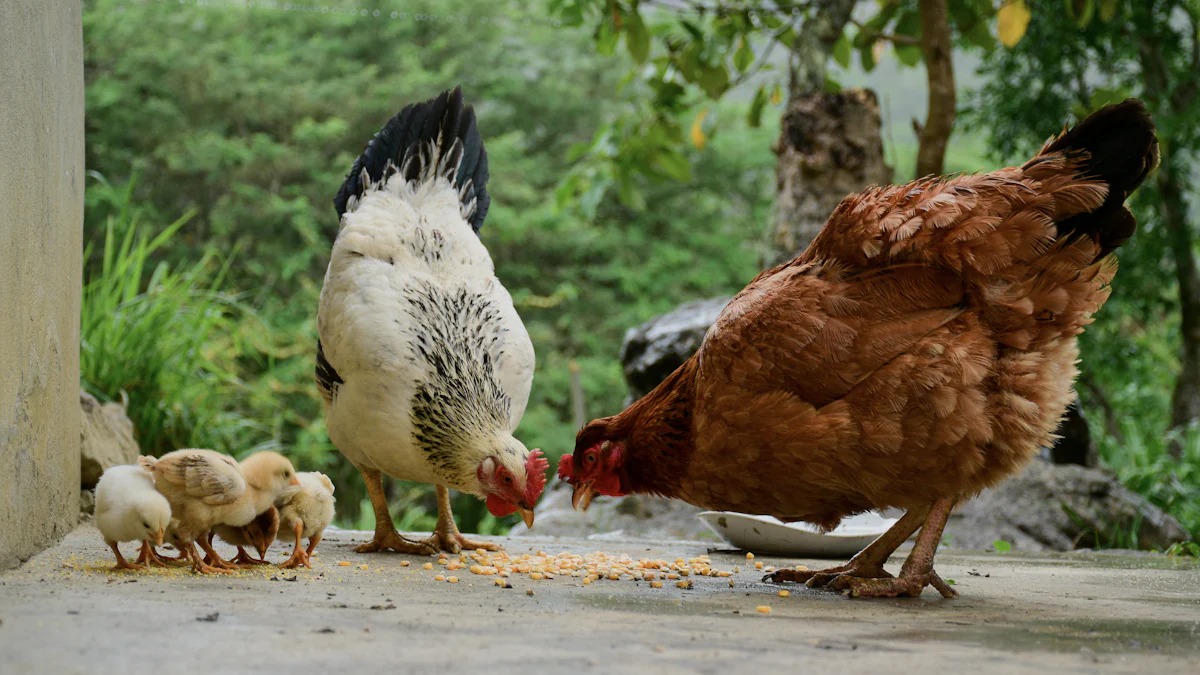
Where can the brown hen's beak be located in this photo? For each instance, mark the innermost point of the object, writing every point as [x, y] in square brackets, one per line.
[158, 537]
[583, 495]
[527, 516]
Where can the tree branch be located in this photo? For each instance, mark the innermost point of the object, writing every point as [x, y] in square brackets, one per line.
[939, 68]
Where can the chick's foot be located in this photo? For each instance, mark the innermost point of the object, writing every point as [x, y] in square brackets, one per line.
[148, 556]
[245, 559]
[392, 541]
[299, 557]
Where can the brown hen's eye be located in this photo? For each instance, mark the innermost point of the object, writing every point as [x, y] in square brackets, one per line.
[590, 457]
[508, 479]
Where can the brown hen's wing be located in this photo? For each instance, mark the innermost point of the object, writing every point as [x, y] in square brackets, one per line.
[209, 476]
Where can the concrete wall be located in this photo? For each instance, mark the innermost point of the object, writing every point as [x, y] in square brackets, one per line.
[41, 236]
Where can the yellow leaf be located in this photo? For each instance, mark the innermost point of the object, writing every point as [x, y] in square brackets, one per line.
[698, 137]
[1012, 20]
[776, 95]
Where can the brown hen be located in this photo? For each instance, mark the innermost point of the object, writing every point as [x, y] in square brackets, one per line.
[921, 349]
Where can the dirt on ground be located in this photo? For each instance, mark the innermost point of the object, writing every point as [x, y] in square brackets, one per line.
[66, 611]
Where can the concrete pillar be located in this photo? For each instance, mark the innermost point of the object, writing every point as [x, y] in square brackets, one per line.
[41, 238]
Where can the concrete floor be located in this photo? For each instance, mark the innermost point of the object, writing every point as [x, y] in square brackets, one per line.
[65, 612]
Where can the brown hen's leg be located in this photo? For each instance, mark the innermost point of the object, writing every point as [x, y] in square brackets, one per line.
[446, 536]
[299, 555]
[122, 563]
[917, 572]
[867, 563]
[386, 536]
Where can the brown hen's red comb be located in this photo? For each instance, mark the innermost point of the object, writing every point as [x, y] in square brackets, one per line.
[566, 468]
[535, 472]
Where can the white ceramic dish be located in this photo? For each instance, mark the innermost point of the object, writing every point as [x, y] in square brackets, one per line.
[764, 534]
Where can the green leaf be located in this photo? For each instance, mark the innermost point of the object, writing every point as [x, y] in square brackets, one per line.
[867, 56]
[754, 116]
[1108, 9]
[606, 38]
[714, 80]
[909, 24]
[908, 55]
[832, 86]
[979, 35]
[1001, 546]
[674, 165]
[637, 38]
[841, 51]
[1081, 11]
[744, 56]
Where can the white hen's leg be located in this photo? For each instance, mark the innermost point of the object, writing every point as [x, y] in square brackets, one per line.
[446, 536]
[386, 536]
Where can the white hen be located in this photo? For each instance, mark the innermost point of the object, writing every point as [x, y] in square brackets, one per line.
[424, 365]
[305, 511]
[129, 508]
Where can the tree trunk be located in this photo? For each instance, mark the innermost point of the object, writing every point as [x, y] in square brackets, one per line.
[1185, 403]
[829, 144]
[939, 68]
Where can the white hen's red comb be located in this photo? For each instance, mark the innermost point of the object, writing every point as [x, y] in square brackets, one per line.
[535, 472]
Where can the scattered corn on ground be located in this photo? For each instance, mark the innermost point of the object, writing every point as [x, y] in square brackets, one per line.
[587, 568]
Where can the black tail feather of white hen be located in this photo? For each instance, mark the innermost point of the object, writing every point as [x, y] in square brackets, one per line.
[436, 138]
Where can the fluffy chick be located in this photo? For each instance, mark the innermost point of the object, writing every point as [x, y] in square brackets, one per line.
[306, 510]
[128, 508]
[259, 534]
[207, 488]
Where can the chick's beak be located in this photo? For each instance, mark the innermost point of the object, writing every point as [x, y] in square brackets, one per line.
[294, 481]
[527, 516]
[582, 496]
[158, 537]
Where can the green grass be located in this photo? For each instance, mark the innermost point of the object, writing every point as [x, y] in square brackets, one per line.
[152, 335]
[1144, 464]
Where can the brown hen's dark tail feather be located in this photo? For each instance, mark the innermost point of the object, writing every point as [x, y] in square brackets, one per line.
[1121, 149]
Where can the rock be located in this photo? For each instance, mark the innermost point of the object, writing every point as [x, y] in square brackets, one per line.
[635, 516]
[105, 439]
[1075, 445]
[653, 350]
[1059, 507]
[87, 504]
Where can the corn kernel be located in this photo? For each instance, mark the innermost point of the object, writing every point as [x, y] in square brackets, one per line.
[731, 583]
[763, 609]
[801, 568]
[749, 556]
[684, 584]
[428, 566]
[655, 584]
[529, 591]
[587, 580]
[453, 580]
[440, 577]
[536, 576]
[758, 565]
[362, 567]
[672, 576]
[443, 561]
[404, 563]
[344, 563]
[784, 594]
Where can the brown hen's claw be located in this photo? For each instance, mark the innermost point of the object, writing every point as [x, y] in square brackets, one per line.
[917, 572]
[393, 541]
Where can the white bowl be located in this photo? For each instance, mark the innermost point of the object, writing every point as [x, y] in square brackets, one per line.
[764, 534]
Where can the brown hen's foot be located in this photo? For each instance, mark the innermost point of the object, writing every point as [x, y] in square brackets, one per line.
[907, 586]
[917, 572]
[392, 541]
[446, 536]
[867, 563]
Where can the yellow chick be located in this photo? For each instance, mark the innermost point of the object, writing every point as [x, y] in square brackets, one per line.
[306, 510]
[259, 534]
[128, 508]
[207, 488]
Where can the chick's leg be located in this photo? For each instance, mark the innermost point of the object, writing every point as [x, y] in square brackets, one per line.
[148, 556]
[867, 563]
[245, 559]
[299, 555]
[386, 536]
[446, 536]
[211, 558]
[312, 544]
[917, 571]
[201, 567]
[122, 563]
